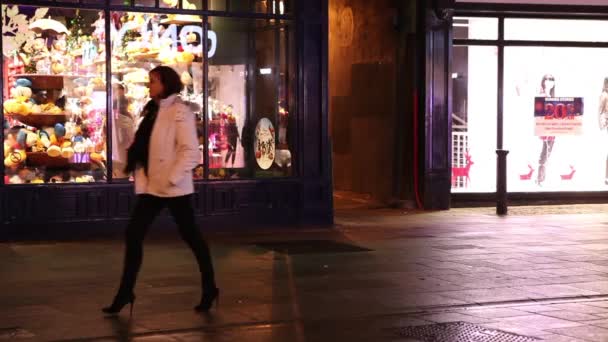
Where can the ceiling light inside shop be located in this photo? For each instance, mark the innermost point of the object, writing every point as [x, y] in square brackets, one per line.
[265, 71]
[281, 7]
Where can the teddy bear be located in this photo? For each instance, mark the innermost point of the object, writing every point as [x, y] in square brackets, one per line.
[59, 60]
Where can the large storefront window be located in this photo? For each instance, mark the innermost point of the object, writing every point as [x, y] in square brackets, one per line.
[570, 154]
[54, 95]
[249, 99]
[55, 115]
[555, 106]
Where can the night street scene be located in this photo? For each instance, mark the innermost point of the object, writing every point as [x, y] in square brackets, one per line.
[304, 170]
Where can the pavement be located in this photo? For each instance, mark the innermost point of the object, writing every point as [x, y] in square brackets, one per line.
[539, 273]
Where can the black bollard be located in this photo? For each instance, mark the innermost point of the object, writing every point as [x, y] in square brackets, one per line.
[501, 182]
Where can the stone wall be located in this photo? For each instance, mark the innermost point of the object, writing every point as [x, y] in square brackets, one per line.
[365, 44]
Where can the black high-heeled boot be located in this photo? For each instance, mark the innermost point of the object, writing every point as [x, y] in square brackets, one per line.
[207, 300]
[119, 303]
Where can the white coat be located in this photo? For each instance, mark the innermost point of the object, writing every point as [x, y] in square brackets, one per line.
[173, 152]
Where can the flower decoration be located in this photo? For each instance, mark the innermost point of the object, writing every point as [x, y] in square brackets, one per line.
[17, 37]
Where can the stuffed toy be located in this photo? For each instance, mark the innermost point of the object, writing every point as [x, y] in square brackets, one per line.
[53, 151]
[45, 137]
[56, 179]
[15, 180]
[21, 91]
[66, 149]
[31, 139]
[59, 130]
[26, 175]
[15, 158]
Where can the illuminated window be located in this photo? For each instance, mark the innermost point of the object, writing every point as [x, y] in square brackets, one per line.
[54, 95]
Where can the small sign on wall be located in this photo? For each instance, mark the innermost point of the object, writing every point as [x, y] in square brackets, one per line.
[263, 144]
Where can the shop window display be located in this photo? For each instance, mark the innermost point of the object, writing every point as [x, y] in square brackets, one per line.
[249, 99]
[573, 158]
[54, 96]
[55, 89]
[554, 107]
[142, 41]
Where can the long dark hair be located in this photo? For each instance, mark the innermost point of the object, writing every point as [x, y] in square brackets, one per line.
[170, 80]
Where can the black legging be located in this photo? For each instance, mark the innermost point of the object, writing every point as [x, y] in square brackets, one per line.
[146, 209]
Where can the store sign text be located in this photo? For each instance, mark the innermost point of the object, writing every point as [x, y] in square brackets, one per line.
[170, 32]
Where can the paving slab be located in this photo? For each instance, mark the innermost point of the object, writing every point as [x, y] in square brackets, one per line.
[539, 272]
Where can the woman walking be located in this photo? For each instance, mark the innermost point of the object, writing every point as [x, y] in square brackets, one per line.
[162, 156]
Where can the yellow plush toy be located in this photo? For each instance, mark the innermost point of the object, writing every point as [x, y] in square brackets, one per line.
[185, 57]
[53, 151]
[66, 149]
[15, 158]
[15, 106]
[67, 152]
[96, 157]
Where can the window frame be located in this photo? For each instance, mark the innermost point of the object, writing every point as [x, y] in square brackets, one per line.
[502, 12]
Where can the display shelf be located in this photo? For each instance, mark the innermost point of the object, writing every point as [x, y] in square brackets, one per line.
[144, 55]
[80, 166]
[39, 120]
[125, 70]
[43, 159]
[40, 81]
[137, 98]
[182, 19]
[53, 76]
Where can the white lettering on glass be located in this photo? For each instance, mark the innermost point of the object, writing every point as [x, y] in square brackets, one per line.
[170, 33]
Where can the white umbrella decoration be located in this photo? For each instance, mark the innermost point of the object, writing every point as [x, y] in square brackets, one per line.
[46, 25]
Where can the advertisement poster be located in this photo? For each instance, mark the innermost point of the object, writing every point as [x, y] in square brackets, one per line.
[263, 144]
[558, 116]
